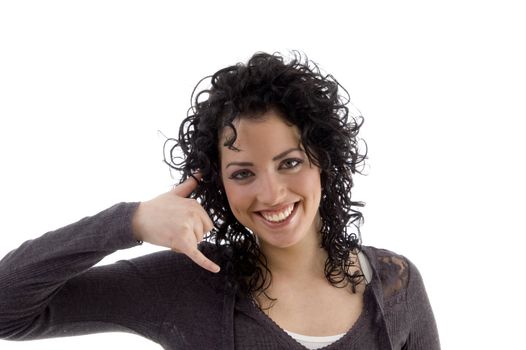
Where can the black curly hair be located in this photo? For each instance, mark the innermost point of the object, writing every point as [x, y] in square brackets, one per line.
[314, 104]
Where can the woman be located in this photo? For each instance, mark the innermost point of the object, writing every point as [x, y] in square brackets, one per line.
[260, 222]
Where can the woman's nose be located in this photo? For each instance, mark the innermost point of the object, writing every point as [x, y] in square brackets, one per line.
[272, 189]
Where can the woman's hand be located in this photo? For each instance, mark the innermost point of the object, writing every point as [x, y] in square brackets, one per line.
[171, 220]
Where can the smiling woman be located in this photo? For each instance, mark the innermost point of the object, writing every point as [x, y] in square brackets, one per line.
[271, 186]
[264, 238]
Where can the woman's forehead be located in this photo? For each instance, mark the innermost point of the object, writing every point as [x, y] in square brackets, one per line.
[266, 133]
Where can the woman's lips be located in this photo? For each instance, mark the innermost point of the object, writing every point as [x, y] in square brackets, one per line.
[278, 215]
[278, 218]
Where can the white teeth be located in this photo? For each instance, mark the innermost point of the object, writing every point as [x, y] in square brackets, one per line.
[279, 216]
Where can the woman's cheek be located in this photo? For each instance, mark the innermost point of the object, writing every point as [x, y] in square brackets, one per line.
[236, 199]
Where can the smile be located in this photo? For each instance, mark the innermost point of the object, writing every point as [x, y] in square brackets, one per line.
[278, 216]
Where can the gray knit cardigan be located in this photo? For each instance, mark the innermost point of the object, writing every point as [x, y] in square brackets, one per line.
[49, 288]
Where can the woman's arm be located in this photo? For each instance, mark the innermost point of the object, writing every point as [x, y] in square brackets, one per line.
[52, 271]
[49, 288]
[423, 333]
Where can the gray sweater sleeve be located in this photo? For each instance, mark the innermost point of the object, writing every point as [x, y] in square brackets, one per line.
[423, 333]
[44, 281]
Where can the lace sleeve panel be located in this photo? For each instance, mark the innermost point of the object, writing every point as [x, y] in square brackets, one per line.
[393, 270]
[402, 284]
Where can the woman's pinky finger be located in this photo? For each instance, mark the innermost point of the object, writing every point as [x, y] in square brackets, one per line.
[201, 260]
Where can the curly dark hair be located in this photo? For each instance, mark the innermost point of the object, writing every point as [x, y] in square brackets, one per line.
[313, 103]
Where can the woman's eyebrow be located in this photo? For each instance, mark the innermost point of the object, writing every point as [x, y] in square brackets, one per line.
[284, 154]
[278, 157]
[239, 164]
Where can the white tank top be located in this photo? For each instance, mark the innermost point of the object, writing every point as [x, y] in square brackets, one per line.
[314, 342]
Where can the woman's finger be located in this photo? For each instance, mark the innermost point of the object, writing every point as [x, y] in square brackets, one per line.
[208, 225]
[199, 230]
[201, 260]
[185, 188]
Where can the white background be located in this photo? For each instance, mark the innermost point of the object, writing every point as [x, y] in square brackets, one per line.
[86, 86]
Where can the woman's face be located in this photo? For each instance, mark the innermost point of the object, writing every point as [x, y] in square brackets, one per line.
[271, 186]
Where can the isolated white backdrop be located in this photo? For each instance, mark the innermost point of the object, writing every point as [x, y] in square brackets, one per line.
[86, 86]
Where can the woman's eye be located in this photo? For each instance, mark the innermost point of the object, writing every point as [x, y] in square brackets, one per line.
[290, 163]
[241, 175]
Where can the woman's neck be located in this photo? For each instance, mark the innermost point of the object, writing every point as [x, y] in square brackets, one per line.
[305, 259]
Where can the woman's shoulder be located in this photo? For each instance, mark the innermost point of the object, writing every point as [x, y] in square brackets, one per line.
[385, 259]
[397, 275]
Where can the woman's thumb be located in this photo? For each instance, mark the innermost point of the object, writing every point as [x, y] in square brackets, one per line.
[185, 188]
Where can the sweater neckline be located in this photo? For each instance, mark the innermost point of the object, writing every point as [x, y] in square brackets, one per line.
[249, 307]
